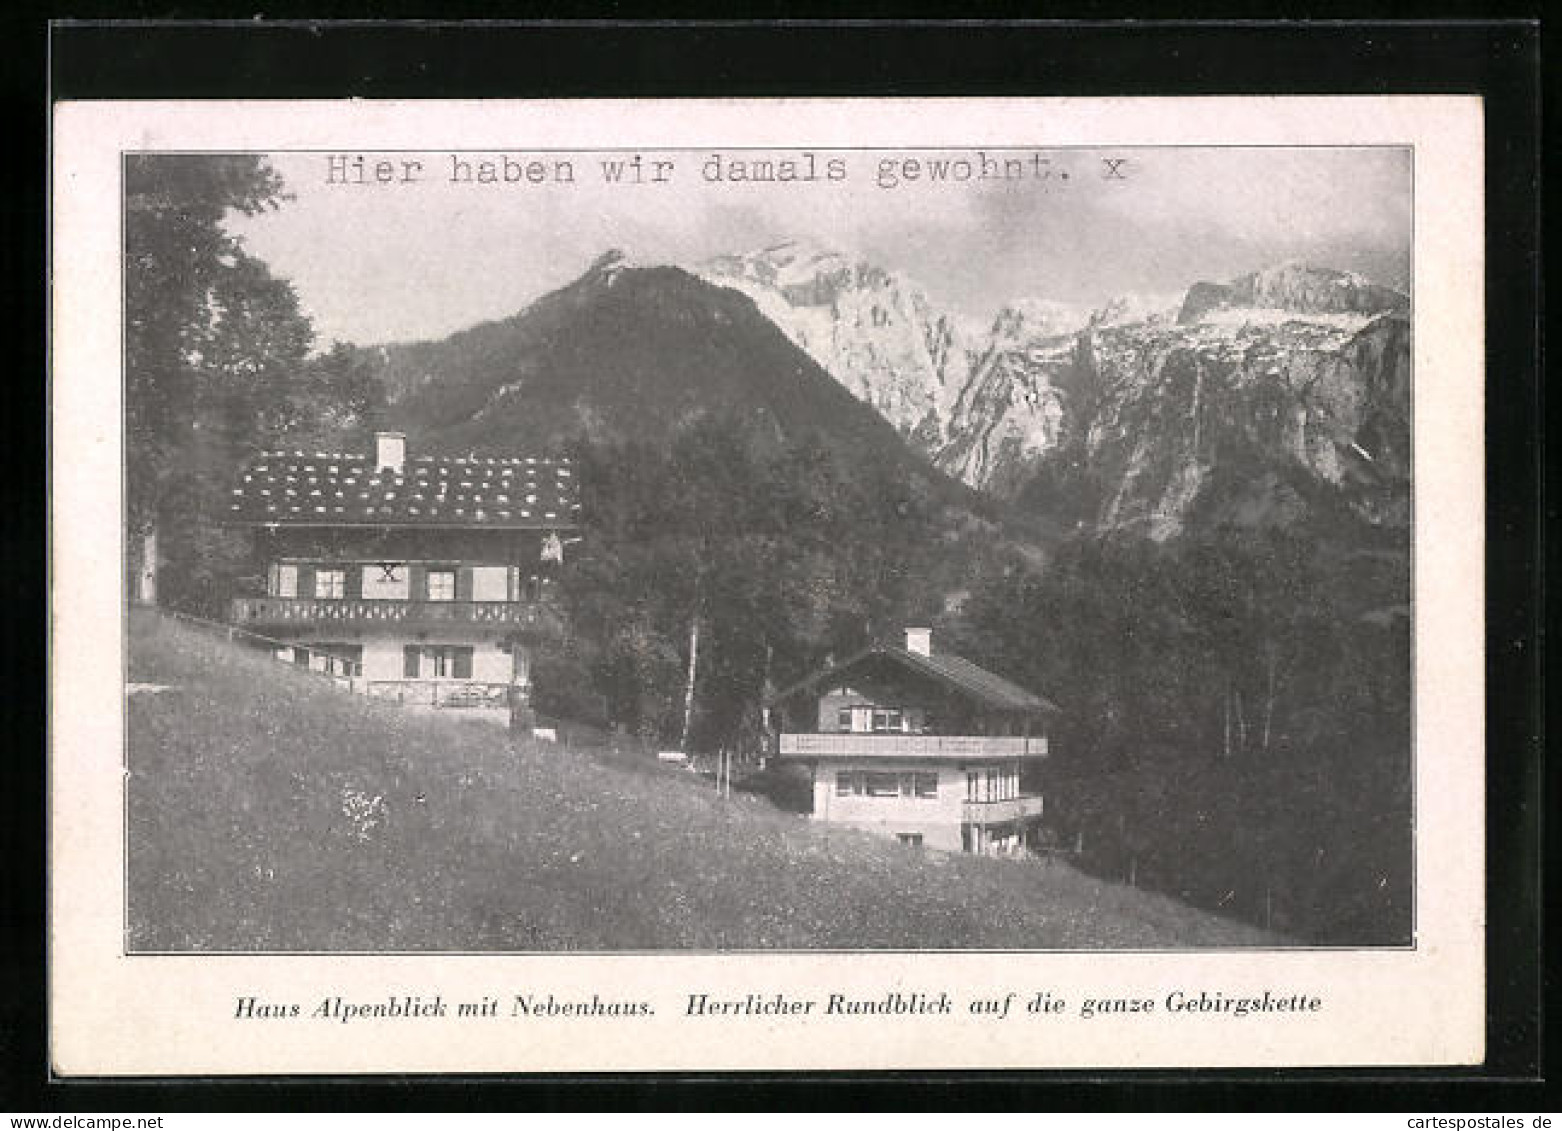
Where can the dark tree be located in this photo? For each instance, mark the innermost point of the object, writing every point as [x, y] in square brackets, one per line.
[726, 564]
[1235, 726]
[214, 348]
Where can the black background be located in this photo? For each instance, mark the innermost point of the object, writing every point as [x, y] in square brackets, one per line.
[246, 59]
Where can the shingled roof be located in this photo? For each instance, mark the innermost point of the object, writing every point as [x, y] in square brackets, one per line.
[956, 672]
[346, 489]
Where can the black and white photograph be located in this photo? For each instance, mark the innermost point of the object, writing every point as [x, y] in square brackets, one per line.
[843, 549]
[862, 552]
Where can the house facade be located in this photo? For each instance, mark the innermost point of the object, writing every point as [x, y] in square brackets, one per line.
[429, 580]
[924, 746]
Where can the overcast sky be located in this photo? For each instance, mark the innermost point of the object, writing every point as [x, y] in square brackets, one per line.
[424, 257]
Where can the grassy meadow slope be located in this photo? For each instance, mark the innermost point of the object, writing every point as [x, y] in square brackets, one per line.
[269, 811]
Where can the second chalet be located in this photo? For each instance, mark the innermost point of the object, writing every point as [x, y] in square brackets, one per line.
[921, 745]
[427, 580]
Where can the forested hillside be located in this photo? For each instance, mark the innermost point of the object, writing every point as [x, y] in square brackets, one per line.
[1235, 725]
[715, 567]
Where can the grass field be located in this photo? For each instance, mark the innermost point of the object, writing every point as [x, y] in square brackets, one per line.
[269, 811]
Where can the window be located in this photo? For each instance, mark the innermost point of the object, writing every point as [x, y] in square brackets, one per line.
[287, 581]
[441, 585]
[490, 583]
[887, 720]
[973, 786]
[385, 581]
[877, 784]
[338, 659]
[913, 840]
[443, 661]
[843, 719]
[331, 583]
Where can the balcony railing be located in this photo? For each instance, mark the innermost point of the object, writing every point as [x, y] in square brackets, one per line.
[911, 746]
[354, 611]
[998, 812]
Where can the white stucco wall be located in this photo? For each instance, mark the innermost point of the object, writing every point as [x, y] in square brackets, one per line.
[382, 658]
[490, 665]
[936, 818]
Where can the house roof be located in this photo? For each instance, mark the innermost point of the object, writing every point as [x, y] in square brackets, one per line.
[971, 680]
[346, 489]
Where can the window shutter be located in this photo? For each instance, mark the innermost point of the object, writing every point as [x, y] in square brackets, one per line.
[306, 581]
[353, 586]
[463, 664]
[417, 583]
[409, 661]
[463, 583]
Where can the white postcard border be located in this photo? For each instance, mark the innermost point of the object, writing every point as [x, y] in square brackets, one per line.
[113, 1014]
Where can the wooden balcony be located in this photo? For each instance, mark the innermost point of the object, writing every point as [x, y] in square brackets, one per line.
[278, 612]
[970, 746]
[1000, 812]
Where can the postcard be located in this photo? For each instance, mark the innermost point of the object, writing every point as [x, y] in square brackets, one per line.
[766, 584]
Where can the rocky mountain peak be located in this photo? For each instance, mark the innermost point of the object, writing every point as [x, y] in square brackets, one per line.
[605, 267]
[1246, 398]
[1037, 318]
[1288, 357]
[1293, 288]
[795, 266]
[1135, 307]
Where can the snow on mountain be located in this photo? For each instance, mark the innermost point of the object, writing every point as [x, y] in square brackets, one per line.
[1281, 391]
[1293, 369]
[880, 338]
[1128, 309]
[1295, 287]
[975, 397]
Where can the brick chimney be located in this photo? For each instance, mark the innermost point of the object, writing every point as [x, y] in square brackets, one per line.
[390, 452]
[920, 641]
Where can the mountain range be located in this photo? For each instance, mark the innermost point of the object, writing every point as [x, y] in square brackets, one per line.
[1298, 374]
[627, 353]
[1279, 395]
